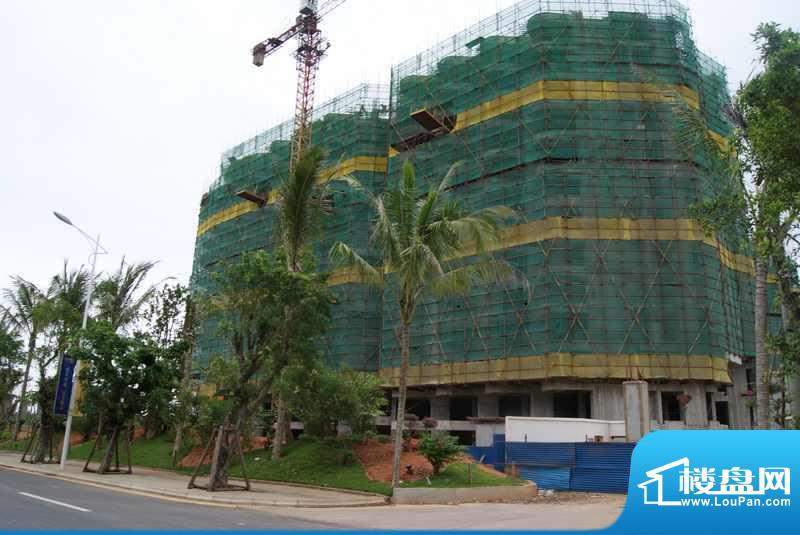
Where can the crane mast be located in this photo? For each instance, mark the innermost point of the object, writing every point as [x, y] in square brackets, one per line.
[310, 51]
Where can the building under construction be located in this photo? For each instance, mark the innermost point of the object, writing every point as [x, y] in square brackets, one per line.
[565, 111]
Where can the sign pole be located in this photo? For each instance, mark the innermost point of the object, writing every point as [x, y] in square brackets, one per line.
[77, 365]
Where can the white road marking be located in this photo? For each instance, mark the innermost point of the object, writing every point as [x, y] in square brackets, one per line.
[62, 504]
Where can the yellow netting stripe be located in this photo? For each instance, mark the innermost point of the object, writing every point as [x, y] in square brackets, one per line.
[375, 164]
[563, 228]
[566, 365]
[576, 90]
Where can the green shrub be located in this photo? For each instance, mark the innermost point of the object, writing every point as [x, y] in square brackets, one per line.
[322, 398]
[439, 449]
[210, 415]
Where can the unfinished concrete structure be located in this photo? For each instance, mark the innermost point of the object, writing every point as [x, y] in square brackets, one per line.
[563, 110]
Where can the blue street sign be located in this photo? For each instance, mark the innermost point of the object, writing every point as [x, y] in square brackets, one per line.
[64, 387]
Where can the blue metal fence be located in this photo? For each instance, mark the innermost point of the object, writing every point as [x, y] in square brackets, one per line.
[582, 466]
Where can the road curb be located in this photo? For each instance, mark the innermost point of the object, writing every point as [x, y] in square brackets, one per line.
[453, 496]
[188, 496]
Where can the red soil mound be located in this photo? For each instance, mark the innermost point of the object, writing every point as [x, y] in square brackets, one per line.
[377, 460]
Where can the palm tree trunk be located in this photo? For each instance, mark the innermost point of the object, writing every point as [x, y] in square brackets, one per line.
[762, 358]
[401, 403]
[282, 422]
[26, 377]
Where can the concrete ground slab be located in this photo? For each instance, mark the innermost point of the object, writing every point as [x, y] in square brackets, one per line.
[564, 511]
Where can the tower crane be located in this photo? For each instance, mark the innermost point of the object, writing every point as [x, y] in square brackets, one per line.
[310, 51]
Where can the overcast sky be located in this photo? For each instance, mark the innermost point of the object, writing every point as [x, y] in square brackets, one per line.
[116, 112]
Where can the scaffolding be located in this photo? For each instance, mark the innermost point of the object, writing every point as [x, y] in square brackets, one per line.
[564, 110]
[352, 130]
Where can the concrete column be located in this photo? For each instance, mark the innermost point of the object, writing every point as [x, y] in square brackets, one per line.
[695, 410]
[541, 404]
[488, 406]
[440, 408]
[637, 409]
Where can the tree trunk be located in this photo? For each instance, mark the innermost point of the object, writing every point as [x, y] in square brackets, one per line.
[178, 444]
[108, 456]
[43, 444]
[21, 407]
[223, 452]
[280, 427]
[401, 403]
[186, 377]
[790, 312]
[762, 357]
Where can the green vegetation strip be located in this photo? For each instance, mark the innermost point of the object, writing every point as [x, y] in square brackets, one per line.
[307, 462]
[310, 462]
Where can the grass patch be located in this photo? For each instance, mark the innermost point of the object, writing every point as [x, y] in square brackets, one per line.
[147, 453]
[10, 445]
[305, 461]
[457, 476]
[314, 463]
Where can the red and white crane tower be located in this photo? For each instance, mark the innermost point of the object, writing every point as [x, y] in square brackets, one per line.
[310, 51]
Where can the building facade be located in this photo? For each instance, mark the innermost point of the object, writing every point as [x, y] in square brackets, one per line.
[565, 111]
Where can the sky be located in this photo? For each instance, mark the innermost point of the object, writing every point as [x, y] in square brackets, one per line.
[115, 113]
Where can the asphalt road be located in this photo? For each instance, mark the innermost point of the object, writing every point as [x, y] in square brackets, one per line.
[35, 502]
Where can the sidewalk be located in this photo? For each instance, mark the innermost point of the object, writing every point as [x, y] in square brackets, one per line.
[585, 512]
[170, 485]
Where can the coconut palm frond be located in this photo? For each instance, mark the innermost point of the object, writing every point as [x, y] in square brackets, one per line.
[343, 256]
[122, 295]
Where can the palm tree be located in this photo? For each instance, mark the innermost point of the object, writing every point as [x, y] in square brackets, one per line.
[10, 376]
[121, 296]
[420, 237]
[68, 291]
[23, 299]
[303, 200]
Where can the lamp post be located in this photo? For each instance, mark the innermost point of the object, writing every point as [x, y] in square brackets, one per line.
[97, 250]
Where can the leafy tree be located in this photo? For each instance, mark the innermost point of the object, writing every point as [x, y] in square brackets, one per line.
[439, 448]
[769, 112]
[759, 177]
[119, 377]
[169, 320]
[420, 236]
[23, 300]
[321, 398]
[166, 323]
[272, 318]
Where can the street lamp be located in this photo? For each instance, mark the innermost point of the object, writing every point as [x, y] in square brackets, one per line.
[97, 250]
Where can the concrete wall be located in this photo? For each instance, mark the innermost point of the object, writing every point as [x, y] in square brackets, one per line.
[561, 429]
[608, 403]
[485, 432]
